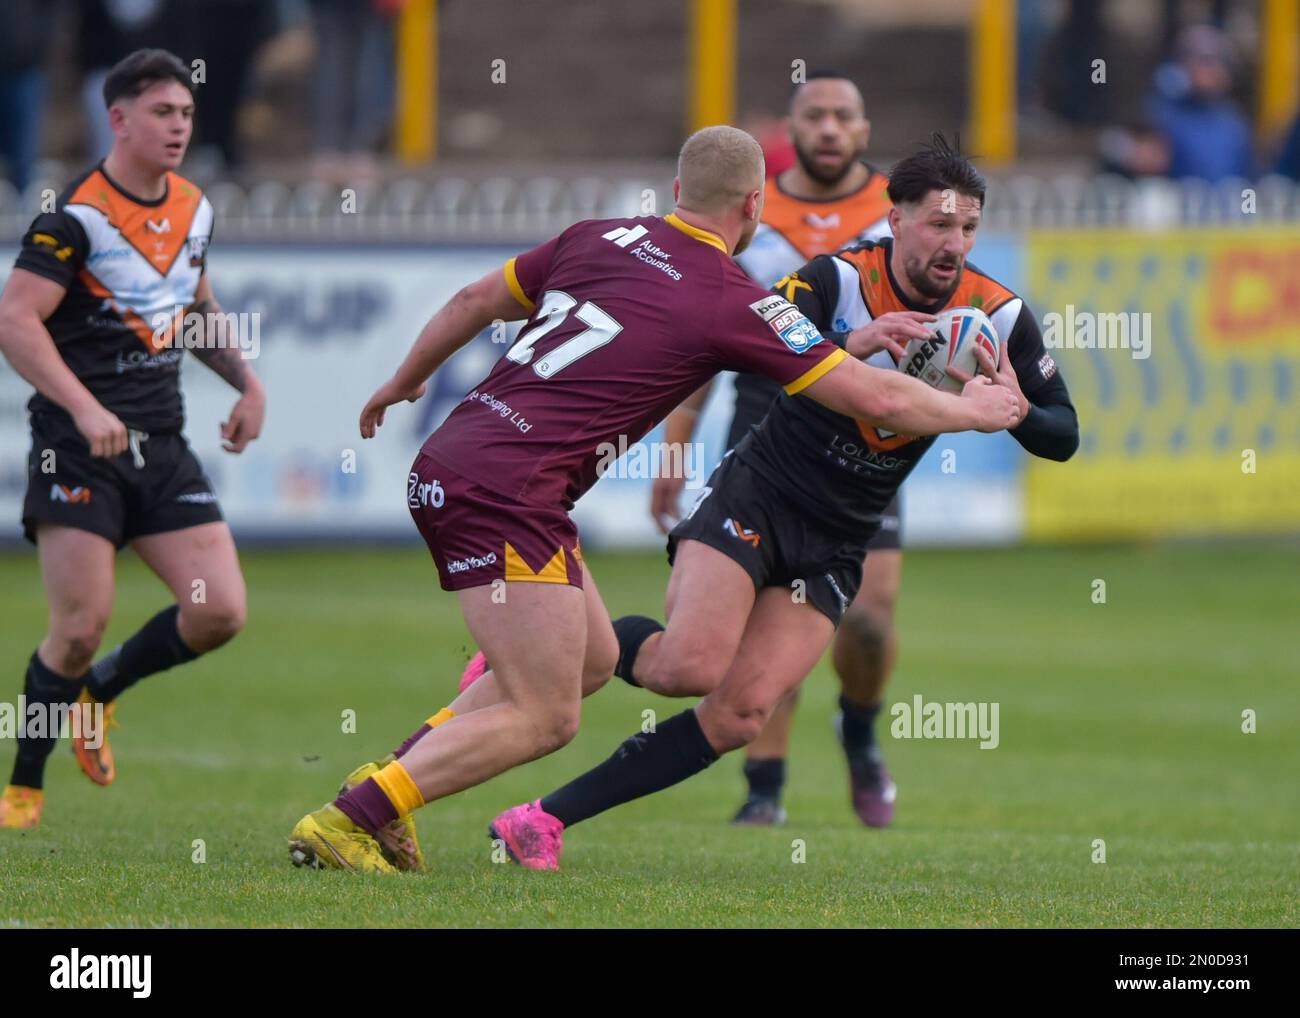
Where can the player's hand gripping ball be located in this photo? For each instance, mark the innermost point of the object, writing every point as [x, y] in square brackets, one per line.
[953, 338]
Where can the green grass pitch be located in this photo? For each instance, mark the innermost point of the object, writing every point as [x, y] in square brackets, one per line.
[1119, 721]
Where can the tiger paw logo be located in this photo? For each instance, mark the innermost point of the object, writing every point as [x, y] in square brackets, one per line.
[74, 495]
[737, 529]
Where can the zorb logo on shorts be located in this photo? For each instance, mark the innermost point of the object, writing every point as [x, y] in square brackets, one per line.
[424, 493]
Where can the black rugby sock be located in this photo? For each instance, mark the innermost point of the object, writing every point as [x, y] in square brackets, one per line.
[859, 727]
[155, 648]
[632, 631]
[50, 690]
[766, 777]
[645, 763]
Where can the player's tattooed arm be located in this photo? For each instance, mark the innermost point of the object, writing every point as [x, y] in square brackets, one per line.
[224, 355]
[217, 352]
[223, 349]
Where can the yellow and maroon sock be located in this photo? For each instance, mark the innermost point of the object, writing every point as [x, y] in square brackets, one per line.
[446, 714]
[381, 798]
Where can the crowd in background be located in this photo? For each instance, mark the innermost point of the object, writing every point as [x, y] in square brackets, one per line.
[351, 70]
[1192, 122]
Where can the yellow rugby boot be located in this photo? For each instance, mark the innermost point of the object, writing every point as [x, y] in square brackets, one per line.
[398, 839]
[328, 839]
[20, 807]
[95, 762]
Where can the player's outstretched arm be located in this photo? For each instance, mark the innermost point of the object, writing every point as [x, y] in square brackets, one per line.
[28, 300]
[679, 430]
[222, 352]
[892, 400]
[471, 310]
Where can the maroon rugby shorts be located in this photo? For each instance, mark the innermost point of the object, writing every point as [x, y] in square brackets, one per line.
[477, 536]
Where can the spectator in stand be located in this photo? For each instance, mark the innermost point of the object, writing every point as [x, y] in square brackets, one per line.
[1207, 135]
[1137, 150]
[355, 84]
[106, 32]
[25, 29]
[1288, 163]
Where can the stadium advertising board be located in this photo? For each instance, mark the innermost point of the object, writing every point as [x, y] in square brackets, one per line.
[1182, 351]
[334, 321]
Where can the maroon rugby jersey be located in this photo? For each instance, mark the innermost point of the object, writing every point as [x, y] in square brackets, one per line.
[629, 316]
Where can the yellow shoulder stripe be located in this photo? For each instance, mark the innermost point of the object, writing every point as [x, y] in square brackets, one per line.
[815, 372]
[512, 281]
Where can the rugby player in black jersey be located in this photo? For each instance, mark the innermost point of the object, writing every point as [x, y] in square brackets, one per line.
[89, 318]
[829, 199]
[788, 514]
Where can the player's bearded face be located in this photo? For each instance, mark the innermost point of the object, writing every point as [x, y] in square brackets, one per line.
[826, 164]
[157, 124]
[933, 240]
[827, 129]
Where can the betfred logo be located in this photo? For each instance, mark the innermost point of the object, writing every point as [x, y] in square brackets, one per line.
[786, 319]
[62, 493]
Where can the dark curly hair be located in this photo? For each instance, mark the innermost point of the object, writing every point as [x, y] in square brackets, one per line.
[937, 166]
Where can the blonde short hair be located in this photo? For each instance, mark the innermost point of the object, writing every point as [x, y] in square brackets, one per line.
[717, 167]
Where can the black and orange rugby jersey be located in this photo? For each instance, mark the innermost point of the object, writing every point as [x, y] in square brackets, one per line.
[794, 230]
[847, 471]
[127, 265]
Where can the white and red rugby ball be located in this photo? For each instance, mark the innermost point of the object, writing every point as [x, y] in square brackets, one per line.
[955, 334]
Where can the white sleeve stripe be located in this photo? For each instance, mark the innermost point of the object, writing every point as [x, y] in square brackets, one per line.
[849, 293]
[1004, 318]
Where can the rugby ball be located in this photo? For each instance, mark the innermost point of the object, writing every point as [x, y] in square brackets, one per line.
[955, 334]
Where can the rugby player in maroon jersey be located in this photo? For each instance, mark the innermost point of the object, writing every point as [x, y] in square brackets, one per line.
[626, 318]
[88, 318]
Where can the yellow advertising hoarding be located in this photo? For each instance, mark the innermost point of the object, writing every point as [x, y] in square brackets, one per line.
[1182, 353]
